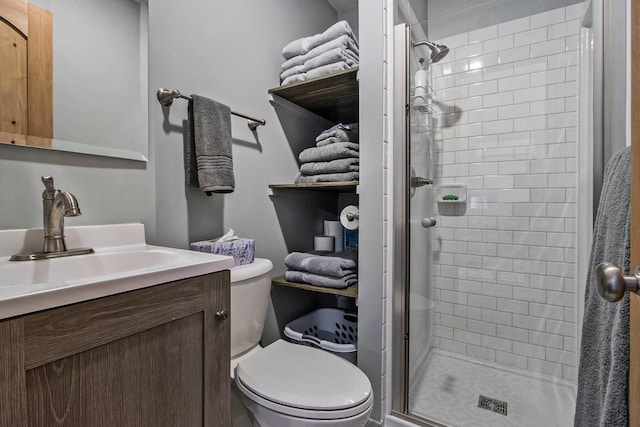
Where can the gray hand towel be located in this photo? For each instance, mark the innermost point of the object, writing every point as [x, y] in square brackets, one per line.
[334, 266]
[305, 44]
[330, 57]
[319, 280]
[317, 72]
[190, 164]
[341, 136]
[212, 141]
[327, 177]
[604, 355]
[298, 69]
[334, 166]
[323, 70]
[341, 133]
[346, 43]
[341, 150]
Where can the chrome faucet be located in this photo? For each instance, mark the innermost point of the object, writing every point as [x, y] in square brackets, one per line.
[56, 205]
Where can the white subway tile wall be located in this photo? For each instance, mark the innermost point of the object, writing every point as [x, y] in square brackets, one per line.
[506, 119]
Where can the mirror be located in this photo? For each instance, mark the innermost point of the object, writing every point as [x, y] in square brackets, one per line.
[94, 99]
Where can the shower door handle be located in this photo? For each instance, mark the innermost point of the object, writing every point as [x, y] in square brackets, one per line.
[428, 222]
[612, 284]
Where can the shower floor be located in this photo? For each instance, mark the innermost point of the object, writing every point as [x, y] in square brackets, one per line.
[449, 386]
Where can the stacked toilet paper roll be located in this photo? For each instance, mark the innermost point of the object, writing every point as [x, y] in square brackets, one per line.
[324, 243]
[334, 228]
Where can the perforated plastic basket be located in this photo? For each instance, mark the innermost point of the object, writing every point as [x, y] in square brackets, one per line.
[331, 329]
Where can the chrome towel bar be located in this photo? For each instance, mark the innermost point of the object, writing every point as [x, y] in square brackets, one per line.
[166, 97]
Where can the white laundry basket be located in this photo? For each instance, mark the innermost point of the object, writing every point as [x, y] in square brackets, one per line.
[331, 329]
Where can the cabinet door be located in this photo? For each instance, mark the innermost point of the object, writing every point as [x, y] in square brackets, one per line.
[153, 357]
[151, 378]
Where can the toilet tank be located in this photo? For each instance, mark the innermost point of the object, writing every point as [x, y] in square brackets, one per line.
[250, 286]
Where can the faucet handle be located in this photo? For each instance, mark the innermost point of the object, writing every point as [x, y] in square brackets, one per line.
[48, 183]
[49, 192]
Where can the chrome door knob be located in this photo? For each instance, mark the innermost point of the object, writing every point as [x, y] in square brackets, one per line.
[612, 284]
[222, 315]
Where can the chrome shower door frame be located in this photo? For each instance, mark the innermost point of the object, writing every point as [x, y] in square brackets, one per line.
[400, 321]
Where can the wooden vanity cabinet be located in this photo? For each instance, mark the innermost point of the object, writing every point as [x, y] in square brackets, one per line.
[157, 356]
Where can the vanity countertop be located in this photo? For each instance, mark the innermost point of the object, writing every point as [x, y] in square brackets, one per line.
[122, 262]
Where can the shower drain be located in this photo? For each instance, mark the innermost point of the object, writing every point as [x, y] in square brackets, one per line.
[493, 405]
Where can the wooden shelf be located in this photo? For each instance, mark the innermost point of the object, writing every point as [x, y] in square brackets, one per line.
[338, 187]
[334, 96]
[351, 291]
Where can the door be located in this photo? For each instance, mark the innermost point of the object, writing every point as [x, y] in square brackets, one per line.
[26, 67]
[634, 371]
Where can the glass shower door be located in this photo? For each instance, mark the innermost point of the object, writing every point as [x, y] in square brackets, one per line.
[491, 215]
[420, 208]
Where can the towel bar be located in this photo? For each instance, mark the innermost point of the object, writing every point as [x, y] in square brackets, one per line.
[166, 97]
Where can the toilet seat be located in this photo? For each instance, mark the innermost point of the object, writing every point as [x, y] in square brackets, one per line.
[304, 382]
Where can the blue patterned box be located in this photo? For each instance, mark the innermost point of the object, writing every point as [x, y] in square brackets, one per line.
[242, 250]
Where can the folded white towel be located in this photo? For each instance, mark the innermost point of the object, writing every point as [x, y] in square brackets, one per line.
[327, 69]
[345, 42]
[300, 77]
[305, 44]
[329, 57]
[317, 72]
[298, 69]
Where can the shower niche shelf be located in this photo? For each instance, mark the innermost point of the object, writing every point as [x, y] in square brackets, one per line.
[351, 291]
[334, 96]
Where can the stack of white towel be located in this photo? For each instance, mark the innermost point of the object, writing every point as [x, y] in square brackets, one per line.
[335, 157]
[335, 49]
[329, 271]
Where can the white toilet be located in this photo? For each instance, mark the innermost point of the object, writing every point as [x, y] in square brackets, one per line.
[287, 384]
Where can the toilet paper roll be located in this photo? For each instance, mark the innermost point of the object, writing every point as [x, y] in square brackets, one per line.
[350, 217]
[335, 229]
[324, 243]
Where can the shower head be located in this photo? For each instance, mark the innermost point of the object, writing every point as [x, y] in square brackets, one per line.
[438, 51]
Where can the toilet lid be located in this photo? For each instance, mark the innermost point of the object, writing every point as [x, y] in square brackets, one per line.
[304, 377]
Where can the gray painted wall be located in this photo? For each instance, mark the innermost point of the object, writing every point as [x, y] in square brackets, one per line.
[230, 52]
[108, 190]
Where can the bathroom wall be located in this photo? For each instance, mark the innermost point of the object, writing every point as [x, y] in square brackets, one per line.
[230, 52]
[108, 190]
[505, 262]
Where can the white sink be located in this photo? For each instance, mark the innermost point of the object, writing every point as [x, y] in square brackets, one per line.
[122, 262]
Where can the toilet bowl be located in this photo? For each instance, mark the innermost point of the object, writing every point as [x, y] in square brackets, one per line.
[286, 384]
